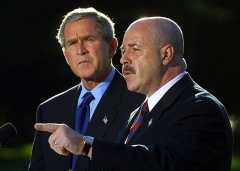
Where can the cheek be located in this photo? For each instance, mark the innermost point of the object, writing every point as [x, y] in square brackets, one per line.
[68, 56]
[102, 59]
[142, 68]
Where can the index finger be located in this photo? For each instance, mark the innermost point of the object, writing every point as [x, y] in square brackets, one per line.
[47, 127]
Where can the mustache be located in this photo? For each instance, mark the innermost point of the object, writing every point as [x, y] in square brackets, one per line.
[128, 68]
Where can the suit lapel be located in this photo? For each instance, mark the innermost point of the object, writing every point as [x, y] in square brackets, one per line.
[106, 108]
[165, 102]
[67, 109]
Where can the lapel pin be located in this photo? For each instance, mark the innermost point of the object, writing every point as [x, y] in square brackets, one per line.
[150, 122]
[105, 120]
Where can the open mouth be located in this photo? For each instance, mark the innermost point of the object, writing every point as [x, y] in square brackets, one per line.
[126, 73]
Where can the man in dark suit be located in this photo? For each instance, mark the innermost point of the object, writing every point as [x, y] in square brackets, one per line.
[88, 41]
[179, 127]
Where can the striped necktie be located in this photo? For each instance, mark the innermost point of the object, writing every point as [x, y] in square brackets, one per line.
[144, 111]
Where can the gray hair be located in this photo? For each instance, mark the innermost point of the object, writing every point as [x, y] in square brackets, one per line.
[105, 24]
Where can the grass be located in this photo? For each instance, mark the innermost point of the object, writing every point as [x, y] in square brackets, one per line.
[22, 152]
[17, 159]
[236, 163]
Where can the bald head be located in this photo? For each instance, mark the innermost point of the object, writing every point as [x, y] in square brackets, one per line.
[163, 31]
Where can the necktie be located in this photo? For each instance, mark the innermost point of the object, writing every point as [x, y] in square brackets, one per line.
[144, 111]
[82, 116]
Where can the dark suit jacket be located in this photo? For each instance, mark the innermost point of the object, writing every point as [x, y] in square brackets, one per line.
[190, 131]
[116, 103]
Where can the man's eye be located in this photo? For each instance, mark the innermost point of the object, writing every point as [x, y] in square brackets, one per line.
[89, 39]
[71, 43]
[135, 49]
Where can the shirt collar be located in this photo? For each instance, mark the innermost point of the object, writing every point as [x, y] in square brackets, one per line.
[99, 90]
[155, 97]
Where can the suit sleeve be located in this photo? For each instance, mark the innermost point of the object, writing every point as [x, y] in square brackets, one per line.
[37, 157]
[192, 139]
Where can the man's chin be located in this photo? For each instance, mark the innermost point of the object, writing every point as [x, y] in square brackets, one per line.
[132, 88]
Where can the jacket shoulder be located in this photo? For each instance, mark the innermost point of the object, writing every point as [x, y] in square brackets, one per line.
[63, 95]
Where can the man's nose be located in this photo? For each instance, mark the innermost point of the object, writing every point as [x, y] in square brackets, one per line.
[125, 59]
[81, 48]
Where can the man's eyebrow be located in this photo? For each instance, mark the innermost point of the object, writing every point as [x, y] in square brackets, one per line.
[130, 45]
[71, 40]
[82, 37]
[87, 36]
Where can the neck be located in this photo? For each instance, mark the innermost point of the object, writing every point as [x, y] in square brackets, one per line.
[91, 83]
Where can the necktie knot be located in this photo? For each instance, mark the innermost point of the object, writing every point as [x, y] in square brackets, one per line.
[145, 107]
[87, 98]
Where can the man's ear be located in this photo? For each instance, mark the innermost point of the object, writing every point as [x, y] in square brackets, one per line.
[113, 44]
[65, 55]
[167, 52]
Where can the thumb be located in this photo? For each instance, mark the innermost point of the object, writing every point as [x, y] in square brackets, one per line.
[47, 127]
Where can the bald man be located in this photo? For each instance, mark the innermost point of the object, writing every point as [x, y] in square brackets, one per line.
[180, 126]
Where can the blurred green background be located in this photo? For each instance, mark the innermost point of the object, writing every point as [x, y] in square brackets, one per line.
[33, 68]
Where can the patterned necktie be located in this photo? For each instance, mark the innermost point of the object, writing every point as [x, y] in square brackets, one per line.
[144, 111]
[82, 116]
